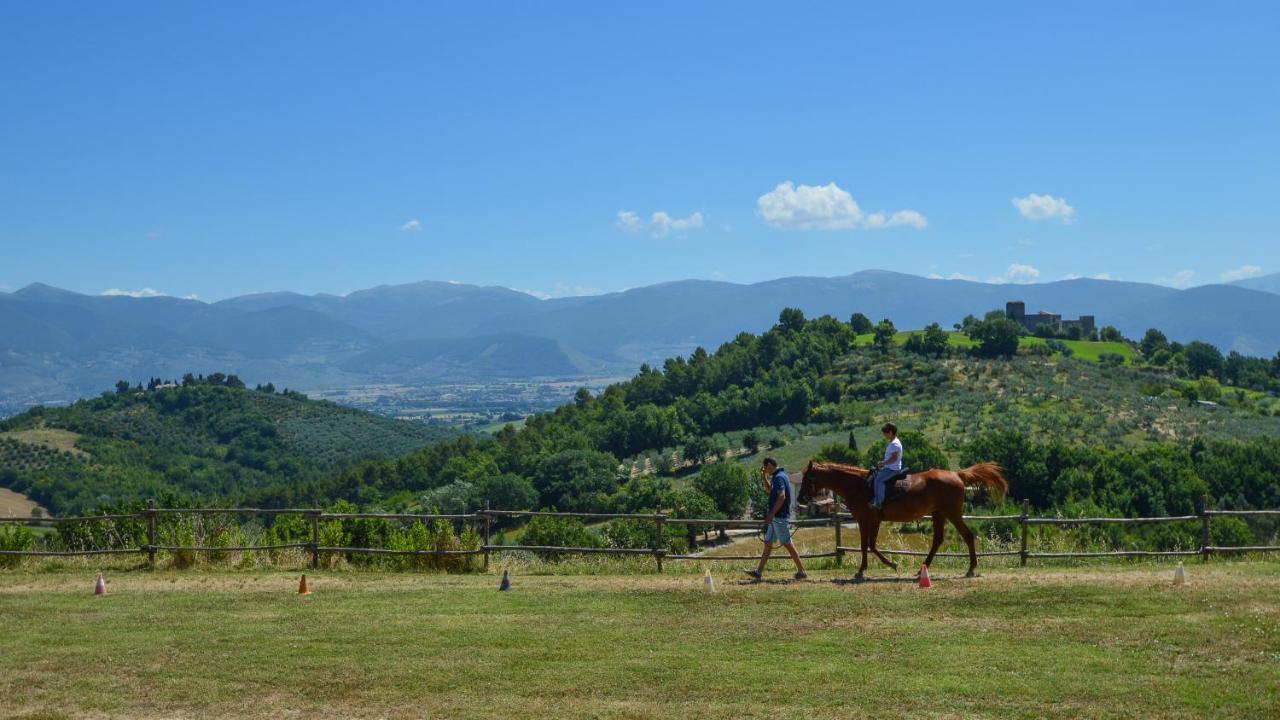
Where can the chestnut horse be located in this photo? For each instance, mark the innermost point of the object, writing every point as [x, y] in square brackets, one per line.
[940, 492]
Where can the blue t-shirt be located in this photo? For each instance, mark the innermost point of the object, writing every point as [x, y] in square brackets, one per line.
[781, 486]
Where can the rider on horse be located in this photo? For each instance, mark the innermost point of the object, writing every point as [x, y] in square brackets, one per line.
[892, 464]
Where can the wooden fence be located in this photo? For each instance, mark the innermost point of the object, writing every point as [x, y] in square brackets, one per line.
[483, 521]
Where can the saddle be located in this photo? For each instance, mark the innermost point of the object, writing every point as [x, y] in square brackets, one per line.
[894, 488]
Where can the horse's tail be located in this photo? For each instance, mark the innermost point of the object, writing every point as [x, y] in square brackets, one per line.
[987, 475]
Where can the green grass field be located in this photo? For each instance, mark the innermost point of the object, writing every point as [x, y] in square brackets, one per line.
[1038, 642]
[1083, 349]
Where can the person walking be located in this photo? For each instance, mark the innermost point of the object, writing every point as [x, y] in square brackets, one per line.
[777, 518]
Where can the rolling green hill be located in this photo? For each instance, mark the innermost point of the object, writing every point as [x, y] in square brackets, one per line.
[202, 440]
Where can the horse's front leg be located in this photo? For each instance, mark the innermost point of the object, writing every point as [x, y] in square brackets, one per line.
[874, 533]
[862, 536]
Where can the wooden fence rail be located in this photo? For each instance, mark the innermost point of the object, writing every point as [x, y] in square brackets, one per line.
[482, 521]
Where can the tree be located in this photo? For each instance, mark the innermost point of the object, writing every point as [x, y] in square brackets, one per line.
[693, 504]
[853, 442]
[697, 449]
[728, 485]
[1202, 359]
[123, 387]
[507, 492]
[751, 442]
[884, 335]
[997, 336]
[861, 324]
[935, 340]
[1111, 334]
[1152, 341]
[576, 480]
[791, 319]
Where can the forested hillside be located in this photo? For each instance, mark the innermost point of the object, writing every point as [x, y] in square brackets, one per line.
[1134, 437]
[1080, 426]
[205, 438]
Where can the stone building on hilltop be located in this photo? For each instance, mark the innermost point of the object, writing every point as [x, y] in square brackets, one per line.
[1017, 311]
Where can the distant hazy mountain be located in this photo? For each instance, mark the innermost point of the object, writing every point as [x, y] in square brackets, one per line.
[1266, 283]
[57, 345]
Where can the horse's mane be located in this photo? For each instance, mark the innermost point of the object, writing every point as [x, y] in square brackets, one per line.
[835, 467]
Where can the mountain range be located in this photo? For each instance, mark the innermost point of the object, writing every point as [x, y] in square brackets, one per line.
[57, 345]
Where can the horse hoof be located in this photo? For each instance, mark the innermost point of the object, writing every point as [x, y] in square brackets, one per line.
[893, 565]
[971, 574]
[859, 578]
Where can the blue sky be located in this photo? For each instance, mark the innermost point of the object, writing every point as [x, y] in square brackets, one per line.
[217, 149]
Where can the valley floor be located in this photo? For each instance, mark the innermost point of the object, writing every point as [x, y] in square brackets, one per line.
[1038, 642]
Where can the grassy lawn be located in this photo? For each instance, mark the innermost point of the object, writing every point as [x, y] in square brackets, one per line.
[1040, 642]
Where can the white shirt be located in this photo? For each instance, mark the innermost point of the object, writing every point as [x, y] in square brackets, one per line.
[894, 446]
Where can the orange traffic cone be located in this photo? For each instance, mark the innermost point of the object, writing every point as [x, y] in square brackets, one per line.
[924, 577]
[100, 586]
[302, 586]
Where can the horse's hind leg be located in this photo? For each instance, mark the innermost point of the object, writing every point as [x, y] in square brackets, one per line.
[939, 526]
[958, 520]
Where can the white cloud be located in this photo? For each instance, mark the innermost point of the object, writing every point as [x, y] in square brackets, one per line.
[629, 220]
[1242, 272]
[876, 221]
[825, 207]
[1045, 207]
[145, 292]
[1181, 279]
[952, 276]
[1017, 273]
[1102, 276]
[660, 223]
[153, 234]
[413, 225]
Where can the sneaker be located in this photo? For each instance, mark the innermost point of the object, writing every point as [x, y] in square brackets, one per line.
[754, 574]
[802, 575]
[873, 505]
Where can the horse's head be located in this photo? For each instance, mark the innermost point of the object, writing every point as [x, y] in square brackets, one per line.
[819, 476]
[807, 485]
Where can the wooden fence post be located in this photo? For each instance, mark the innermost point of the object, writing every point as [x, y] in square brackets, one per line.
[315, 539]
[836, 516]
[1026, 510]
[488, 519]
[151, 533]
[659, 550]
[1204, 527]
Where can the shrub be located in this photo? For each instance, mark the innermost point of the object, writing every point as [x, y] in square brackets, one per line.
[838, 452]
[15, 537]
[551, 530]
